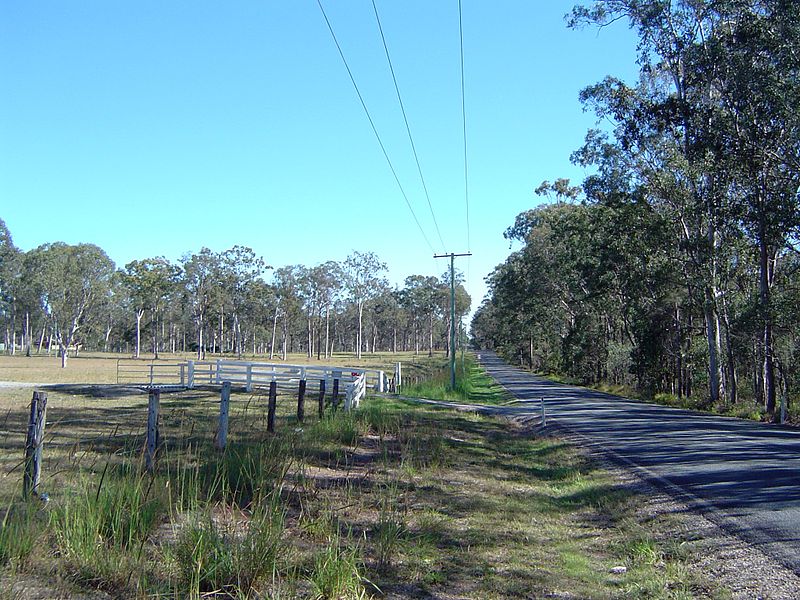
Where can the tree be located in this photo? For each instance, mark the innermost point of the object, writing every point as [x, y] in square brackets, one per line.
[363, 279]
[9, 276]
[241, 269]
[149, 282]
[712, 133]
[201, 276]
[70, 281]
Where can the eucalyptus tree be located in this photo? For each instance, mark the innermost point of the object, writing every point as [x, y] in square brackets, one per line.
[322, 284]
[201, 276]
[70, 281]
[421, 296]
[149, 283]
[288, 304]
[363, 274]
[711, 131]
[241, 268]
[9, 279]
[663, 126]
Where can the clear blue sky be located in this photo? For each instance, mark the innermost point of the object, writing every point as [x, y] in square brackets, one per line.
[156, 128]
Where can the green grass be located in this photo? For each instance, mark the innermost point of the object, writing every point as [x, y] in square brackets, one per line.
[473, 385]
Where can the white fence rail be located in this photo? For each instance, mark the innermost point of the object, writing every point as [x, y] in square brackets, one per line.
[354, 382]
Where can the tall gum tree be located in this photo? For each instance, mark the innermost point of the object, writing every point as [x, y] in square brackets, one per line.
[364, 280]
[70, 280]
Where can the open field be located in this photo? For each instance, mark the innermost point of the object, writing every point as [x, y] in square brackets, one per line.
[101, 368]
[392, 501]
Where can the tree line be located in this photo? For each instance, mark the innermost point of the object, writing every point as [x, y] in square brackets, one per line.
[674, 266]
[61, 297]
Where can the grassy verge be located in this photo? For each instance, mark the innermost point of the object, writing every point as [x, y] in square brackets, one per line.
[394, 500]
[473, 385]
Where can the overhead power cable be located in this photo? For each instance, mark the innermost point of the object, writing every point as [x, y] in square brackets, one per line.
[372, 124]
[464, 119]
[405, 120]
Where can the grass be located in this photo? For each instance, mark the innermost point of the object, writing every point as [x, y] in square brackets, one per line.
[394, 500]
[432, 380]
[101, 367]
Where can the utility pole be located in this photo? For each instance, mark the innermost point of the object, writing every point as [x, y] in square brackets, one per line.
[452, 257]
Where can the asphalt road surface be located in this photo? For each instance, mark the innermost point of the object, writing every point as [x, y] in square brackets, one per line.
[744, 475]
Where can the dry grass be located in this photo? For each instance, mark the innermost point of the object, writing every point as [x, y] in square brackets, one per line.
[101, 368]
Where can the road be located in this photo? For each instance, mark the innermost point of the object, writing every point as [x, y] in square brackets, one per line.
[744, 475]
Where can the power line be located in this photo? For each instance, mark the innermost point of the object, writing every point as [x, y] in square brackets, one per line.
[372, 124]
[405, 119]
[464, 118]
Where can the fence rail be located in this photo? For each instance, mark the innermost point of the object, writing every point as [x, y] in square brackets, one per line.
[251, 375]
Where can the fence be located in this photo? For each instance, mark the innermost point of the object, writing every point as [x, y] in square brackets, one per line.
[354, 381]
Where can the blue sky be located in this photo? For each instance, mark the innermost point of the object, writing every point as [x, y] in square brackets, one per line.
[156, 128]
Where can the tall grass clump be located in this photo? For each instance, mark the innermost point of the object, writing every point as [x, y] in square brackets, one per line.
[21, 529]
[246, 474]
[220, 554]
[101, 529]
[344, 428]
[338, 572]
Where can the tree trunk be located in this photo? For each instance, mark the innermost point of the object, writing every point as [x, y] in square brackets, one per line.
[715, 381]
[765, 283]
[139, 314]
[274, 329]
[430, 335]
[358, 334]
[327, 330]
[27, 333]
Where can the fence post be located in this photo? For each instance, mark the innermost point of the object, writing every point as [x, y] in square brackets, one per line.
[218, 369]
[224, 404]
[544, 417]
[151, 373]
[380, 382]
[273, 398]
[249, 384]
[335, 394]
[321, 398]
[33, 444]
[349, 393]
[301, 399]
[190, 374]
[398, 376]
[151, 446]
[183, 374]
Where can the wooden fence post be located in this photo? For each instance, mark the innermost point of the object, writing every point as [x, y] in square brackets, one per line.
[381, 381]
[273, 398]
[335, 395]
[151, 446]
[190, 374]
[33, 444]
[321, 398]
[224, 404]
[301, 400]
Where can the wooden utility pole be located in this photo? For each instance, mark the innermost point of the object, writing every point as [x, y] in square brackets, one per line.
[452, 313]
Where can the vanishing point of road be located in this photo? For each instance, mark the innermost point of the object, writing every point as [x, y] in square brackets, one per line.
[744, 475]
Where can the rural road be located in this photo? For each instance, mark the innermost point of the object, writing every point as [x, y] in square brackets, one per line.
[744, 475]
